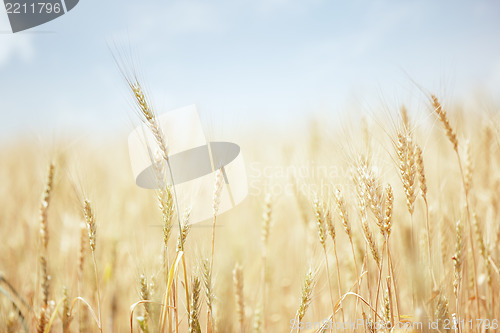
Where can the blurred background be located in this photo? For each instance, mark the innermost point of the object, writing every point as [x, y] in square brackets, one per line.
[244, 63]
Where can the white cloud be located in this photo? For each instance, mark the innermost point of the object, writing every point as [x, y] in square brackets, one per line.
[13, 45]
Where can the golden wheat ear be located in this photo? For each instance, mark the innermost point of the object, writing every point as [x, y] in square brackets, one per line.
[445, 122]
[306, 296]
[209, 294]
[194, 322]
[146, 297]
[44, 312]
[92, 233]
[238, 293]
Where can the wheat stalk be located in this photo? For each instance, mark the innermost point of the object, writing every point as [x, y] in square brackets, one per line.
[443, 118]
[148, 116]
[344, 218]
[319, 212]
[66, 313]
[257, 322]
[145, 296]
[370, 240]
[81, 263]
[457, 265]
[216, 199]
[209, 294]
[423, 191]
[407, 168]
[238, 293]
[44, 207]
[194, 323]
[468, 167]
[306, 297]
[166, 205]
[184, 230]
[266, 226]
[92, 231]
[330, 224]
[44, 315]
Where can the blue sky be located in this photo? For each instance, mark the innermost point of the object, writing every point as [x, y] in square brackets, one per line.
[243, 62]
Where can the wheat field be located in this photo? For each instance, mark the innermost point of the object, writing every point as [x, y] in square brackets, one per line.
[391, 224]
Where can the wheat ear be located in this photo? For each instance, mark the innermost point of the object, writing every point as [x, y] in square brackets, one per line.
[219, 182]
[238, 293]
[92, 230]
[148, 116]
[194, 323]
[423, 192]
[209, 294]
[145, 296]
[457, 265]
[44, 207]
[344, 218]
[443, 118]
[330, 224]
[320, 213]
[43, 316]
[266, 226]
[306, 297]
